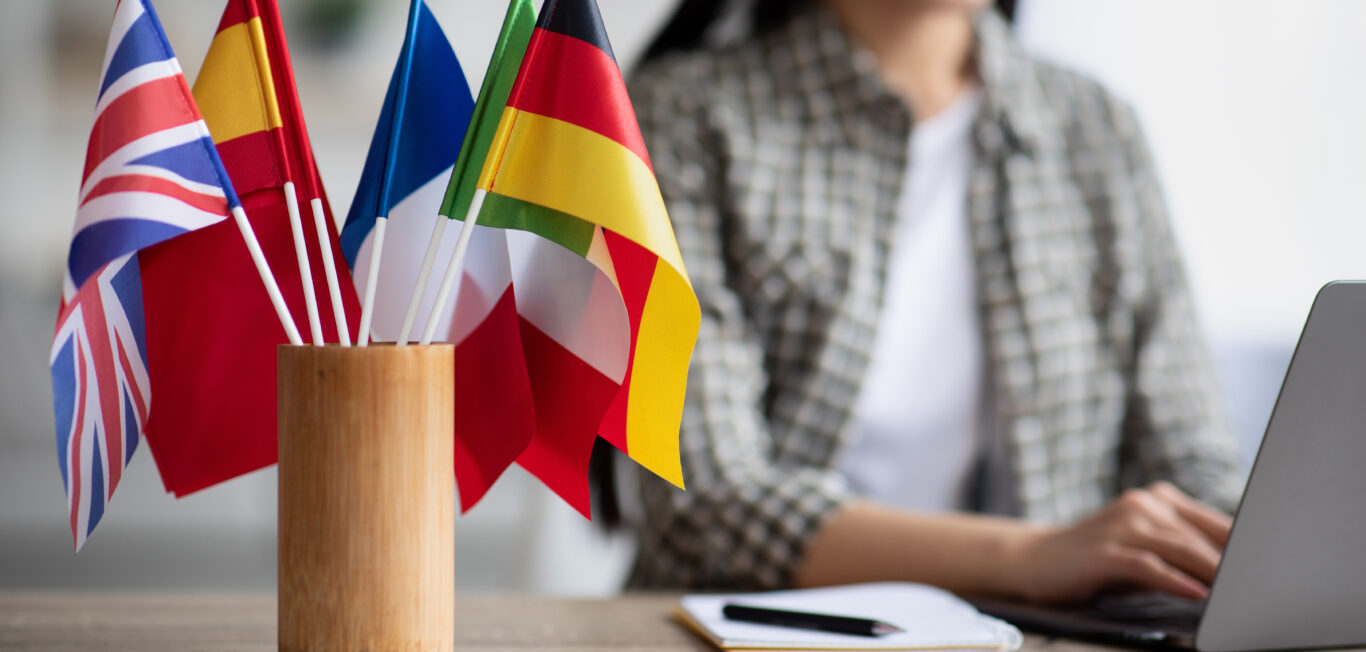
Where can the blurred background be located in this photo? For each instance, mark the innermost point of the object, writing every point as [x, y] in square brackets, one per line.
[1254, 110]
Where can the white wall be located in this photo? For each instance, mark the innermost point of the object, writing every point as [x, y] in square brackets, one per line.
[1254, 110]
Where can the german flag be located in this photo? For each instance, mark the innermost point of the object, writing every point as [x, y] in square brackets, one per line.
[211, 331]
[568, 162]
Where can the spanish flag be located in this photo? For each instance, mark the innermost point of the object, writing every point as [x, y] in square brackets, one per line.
[211, 331]
[608, 352]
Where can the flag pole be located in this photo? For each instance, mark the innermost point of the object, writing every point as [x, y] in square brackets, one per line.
[258, 258]
[493, 92]
[263, 268]
[367, 308]
[296, 229]
[453, 268]
[330, 269]
[423, 277]
[269, 11]
[391, 156]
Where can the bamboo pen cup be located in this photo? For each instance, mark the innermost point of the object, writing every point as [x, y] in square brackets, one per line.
[367, 498]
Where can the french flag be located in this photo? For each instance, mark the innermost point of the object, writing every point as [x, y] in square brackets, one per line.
[416, 142]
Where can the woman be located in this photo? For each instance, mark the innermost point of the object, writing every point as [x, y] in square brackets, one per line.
[945, 334]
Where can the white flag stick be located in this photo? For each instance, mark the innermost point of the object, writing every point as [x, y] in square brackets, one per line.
[367, 309]
[296, 228]
[423, 276]
[263, 268]
[330, 268]
[453, 269]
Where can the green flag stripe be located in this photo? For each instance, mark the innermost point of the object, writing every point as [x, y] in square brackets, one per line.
[518, 24]
[570, 232]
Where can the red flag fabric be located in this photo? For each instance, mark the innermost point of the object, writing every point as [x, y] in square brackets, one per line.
[211, 330]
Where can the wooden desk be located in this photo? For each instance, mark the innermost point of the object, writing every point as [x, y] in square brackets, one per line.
[176, 622]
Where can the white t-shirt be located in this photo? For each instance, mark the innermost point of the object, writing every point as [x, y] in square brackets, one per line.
[916, 421]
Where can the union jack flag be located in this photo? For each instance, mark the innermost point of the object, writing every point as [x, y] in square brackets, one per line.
[151, 173]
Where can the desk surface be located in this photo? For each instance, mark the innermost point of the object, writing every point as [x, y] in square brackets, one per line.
[156, 622]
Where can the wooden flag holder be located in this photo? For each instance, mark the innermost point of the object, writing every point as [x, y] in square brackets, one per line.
[367, 498]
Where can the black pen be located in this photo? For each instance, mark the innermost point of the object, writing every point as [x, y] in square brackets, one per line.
[805, 620]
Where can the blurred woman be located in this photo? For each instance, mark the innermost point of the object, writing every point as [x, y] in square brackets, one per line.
[945, 335]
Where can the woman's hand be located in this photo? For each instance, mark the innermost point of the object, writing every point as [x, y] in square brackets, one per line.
[1154, 538]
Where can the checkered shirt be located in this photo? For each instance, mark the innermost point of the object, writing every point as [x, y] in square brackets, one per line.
[781, 160]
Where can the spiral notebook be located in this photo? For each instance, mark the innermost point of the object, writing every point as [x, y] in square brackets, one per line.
[932, 618]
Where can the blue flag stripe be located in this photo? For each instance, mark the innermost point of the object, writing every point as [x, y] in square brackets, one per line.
[97, 497]
[140, 46]
[127, 284]
[63, 385]
[102, 242]
[417, 12]
[438, 97]
[130, 428]
[190, 160]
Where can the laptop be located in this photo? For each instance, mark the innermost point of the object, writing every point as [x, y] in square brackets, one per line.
[1293, 573]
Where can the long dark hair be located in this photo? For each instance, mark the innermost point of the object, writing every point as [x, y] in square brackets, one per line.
[692, 21]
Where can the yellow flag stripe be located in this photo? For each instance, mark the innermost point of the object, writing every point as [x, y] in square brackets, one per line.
[659, 373]
[235, 91]
[574, 170]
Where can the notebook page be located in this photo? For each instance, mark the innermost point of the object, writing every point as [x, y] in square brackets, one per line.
[933, 619]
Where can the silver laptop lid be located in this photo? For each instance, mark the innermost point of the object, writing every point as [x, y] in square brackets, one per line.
[1294, 571]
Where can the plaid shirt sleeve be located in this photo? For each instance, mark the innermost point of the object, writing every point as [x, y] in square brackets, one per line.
[1173, 429]
[743, 522]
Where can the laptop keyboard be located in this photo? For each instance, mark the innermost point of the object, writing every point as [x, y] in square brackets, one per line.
[1156, 610]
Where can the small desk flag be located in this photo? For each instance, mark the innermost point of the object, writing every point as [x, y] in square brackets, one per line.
[212, 334]
[425, 114]
[607, 349]
[151, 175]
